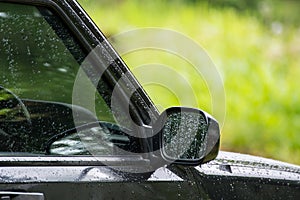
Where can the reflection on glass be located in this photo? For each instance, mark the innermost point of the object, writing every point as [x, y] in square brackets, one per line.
[98, 140]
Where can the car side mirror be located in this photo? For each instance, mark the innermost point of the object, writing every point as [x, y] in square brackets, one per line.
[188, 136]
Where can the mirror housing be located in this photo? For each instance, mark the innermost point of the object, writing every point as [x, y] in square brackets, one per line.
[187, 136]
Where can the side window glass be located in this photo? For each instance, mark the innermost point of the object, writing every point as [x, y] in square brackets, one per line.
[39, 62]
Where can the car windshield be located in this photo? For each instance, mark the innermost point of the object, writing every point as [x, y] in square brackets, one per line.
[40, 63]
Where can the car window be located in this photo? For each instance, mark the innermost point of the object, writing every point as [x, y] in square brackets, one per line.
[40, 59]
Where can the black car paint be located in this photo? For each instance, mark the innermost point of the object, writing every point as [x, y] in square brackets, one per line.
[238, 176]
[230, 176]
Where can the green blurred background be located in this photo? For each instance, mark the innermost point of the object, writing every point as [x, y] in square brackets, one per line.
[254, 44]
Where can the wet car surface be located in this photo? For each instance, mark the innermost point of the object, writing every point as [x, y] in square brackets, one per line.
[55, 144]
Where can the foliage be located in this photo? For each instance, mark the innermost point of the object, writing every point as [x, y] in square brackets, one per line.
[256, 51]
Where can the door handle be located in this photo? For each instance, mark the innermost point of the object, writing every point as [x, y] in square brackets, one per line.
[6, 195]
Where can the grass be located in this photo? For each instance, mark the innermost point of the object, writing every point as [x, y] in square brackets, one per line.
[258, 61]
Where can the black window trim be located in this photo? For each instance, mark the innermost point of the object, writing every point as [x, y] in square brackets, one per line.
[42, 160]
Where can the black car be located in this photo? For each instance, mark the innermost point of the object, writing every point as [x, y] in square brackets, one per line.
[76, 124]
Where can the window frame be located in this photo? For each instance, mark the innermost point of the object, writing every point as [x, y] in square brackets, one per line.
[89, 36]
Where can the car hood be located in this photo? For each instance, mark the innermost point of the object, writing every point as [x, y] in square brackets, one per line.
[236, 164]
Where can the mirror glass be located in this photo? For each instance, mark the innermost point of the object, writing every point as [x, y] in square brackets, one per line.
[184, 135]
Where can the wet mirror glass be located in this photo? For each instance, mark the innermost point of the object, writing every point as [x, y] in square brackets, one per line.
[184, 135]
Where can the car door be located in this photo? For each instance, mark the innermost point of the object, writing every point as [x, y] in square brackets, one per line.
[55, 146]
